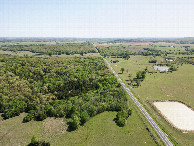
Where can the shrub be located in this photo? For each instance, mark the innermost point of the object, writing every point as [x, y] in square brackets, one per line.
[36, 142]
[153, 61]
[173, 68]
[75, 122]
[84, 117]
[34, 139]
[121, 117]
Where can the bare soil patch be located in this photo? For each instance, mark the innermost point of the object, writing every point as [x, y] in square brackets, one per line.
[54, 127]
[161, 68]
[178, 114]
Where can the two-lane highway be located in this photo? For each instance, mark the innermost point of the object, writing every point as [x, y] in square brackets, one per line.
[151, 121]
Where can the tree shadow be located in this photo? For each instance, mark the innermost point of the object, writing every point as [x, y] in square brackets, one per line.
[115, 120]
[69, 128]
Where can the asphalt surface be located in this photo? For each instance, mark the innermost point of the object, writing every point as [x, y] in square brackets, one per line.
[151, 121]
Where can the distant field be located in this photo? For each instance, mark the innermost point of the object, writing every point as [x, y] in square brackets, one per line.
[131, 43]
[146, 44]
[100, 130]
[173, 44]
[78, 55]
[133, 65]
[26, 43]
[22, 53]
[18, 53]
[36, 43]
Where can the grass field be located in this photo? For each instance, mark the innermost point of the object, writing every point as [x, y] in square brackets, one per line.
[177, 85]
[100, 130]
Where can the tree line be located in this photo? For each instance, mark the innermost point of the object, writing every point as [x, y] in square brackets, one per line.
[43, 49]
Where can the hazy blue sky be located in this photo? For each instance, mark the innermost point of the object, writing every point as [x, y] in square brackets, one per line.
[96, 18]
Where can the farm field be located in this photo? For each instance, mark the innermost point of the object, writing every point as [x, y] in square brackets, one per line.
[157, 86]
[177, 85]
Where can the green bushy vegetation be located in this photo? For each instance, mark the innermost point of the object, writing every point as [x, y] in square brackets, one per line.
[49, 49]
[121, 117]
[35, 142]
[126, 51]
[76, 88]
[153, 61]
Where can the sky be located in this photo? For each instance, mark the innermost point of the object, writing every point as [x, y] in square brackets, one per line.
[97, 18]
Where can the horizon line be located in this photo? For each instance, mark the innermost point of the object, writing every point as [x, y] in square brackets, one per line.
[92, 37]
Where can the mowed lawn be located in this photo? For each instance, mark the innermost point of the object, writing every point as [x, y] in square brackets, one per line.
[178, 85]
[100, 130]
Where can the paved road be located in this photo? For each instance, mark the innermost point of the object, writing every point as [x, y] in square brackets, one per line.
[154, 125]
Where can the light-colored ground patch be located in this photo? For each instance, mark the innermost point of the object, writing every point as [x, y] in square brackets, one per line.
[54, 127]
[177, 113]
[161, 68]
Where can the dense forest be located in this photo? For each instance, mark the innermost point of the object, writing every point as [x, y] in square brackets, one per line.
[76, 88]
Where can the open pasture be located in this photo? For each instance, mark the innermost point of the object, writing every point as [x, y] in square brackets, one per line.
[176, 86]
[100, 130]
